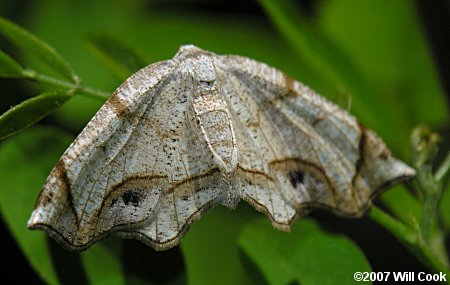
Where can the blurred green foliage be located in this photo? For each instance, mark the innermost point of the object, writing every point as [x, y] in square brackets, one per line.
[373, 50]
[303, 255]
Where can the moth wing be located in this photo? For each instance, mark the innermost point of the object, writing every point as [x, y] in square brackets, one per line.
[196, 184]
[130, 168]
[314, 153]
[81, 177]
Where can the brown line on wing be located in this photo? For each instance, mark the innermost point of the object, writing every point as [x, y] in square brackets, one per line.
[360, 162]
[310, 164]
[175, 240]
[119, 107]
[255, 172]
[190, 179]
[61, 173]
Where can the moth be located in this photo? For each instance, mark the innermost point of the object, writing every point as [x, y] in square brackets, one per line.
[183, 135]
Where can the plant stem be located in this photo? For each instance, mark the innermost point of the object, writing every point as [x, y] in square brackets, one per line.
[444, 170]
[424, 146]
[94, 93]
[429, 211]
[397, 228]
[412, 240]
[42, 78]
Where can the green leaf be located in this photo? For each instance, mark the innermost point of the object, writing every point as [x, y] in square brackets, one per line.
[114, 54]
[210, 247]
[102, 264]
[30, 112]
[9, 67]
[307, 255]
[31, 44]
[25, 162]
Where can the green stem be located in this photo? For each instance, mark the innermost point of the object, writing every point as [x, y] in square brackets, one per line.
[431, 187]
[413, 242]
[429, 211]
[444, 170]
[90, 92]
[94, 93]
[398, 229]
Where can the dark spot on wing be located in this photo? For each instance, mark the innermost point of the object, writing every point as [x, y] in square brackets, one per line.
[132, 197]
[113, 202]
[249, 181]
[47, 199]
[206, 84]
[289, 85]
[384, 155]
[317, 120]
[289, 82]
[296, 177]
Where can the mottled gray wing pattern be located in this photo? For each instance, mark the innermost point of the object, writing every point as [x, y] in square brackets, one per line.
[70, 197]
[310, 152]
[182, 135]
[165, 151]
[137, 170]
